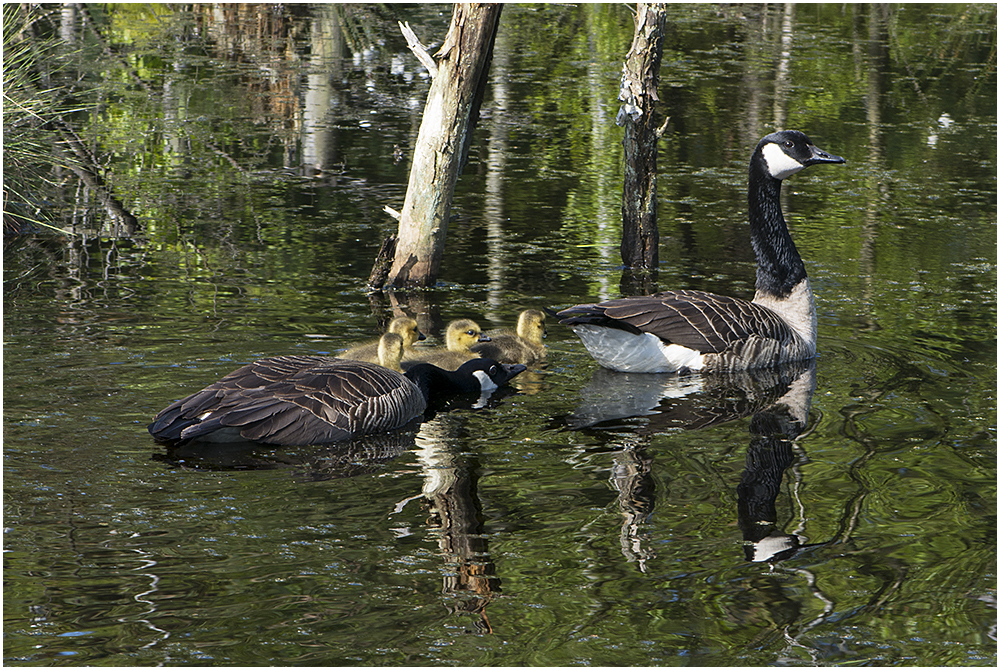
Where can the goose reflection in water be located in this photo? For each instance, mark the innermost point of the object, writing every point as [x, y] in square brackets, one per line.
[449, 492]
[777, 399]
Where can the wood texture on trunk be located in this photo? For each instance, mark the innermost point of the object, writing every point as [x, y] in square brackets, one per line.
[640, 236]
[449, 116]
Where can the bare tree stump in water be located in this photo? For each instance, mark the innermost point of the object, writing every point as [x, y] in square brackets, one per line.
[450, 114]
[640, 78]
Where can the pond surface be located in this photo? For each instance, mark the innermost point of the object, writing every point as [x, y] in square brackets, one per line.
[842, 513]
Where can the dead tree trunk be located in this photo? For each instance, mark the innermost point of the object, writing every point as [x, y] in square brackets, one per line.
[640, 77]
[450, 114]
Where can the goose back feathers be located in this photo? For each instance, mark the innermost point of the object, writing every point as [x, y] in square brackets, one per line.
[298, 400]
[676, 331]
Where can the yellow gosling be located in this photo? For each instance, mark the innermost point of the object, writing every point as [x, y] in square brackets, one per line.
[403, 326]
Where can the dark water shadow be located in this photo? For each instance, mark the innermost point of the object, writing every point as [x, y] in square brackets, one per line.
[308, 463]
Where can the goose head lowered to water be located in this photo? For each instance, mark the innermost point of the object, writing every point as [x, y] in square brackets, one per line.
[299, 400]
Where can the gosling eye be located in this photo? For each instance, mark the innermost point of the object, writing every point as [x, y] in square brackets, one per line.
[470, 332]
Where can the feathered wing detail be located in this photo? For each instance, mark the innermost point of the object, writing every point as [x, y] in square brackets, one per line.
[707, 323]
[289, 400]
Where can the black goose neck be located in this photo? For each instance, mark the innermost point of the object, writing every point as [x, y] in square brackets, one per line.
[432, 380]
[779, 266]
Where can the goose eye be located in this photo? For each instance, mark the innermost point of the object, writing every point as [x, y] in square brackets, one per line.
[789, 144]
[493, 370]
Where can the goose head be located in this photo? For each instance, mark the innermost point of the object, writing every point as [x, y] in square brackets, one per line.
[788, 151]
[407, 329]
[531, 326]
[462, 334]
[489, 374]
[390, 350]
[477, 375]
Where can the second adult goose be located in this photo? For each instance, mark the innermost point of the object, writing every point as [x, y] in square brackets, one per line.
[677, 331]
[521, 346]
[300, 400]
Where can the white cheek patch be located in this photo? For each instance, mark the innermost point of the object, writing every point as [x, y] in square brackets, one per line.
[487, 387]
[779, 164]
[485, 383]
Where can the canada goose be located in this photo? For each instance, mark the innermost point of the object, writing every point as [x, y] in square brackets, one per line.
[459, 336]
[523, 346]
[403, 326]
[685, 330]
[299, 400]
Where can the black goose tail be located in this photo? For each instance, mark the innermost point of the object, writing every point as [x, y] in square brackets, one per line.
[590, 314]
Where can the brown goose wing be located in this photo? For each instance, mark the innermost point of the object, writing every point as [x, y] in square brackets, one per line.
[291, 400]
[702, 321]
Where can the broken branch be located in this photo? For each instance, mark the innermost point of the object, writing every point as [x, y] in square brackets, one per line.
[418, 49]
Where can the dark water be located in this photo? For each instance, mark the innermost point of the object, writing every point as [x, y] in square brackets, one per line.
[582, 517]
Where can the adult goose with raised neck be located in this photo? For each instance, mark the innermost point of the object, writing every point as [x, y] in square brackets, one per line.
[686, 330]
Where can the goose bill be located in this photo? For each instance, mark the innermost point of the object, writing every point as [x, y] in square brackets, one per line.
[820, 156]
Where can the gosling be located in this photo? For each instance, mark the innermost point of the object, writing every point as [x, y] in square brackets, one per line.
[459, 337]
[369, 352]
[523, 346]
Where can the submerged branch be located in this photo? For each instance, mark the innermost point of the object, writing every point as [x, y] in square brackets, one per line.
[84, 165]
